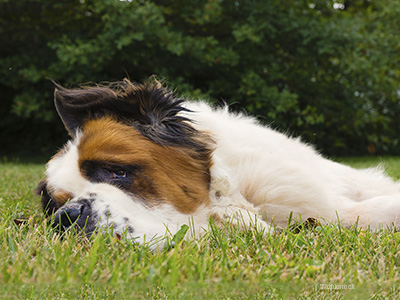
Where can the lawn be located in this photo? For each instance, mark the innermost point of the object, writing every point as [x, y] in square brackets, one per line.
[322, 262]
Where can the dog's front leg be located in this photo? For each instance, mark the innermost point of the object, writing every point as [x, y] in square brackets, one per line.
[227, 202]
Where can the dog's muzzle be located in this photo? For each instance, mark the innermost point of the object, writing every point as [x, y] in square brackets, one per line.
[77, 215]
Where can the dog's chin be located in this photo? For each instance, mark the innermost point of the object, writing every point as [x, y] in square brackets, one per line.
[86, 225]
[88, 217]
[85, 233]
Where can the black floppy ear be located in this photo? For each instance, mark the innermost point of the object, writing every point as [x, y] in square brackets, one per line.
[76, 106]
[150, 108]
[69, 113]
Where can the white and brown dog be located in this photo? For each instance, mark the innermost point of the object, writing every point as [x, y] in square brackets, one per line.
[144, 163]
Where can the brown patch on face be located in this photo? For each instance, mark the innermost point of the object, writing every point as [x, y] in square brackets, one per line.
[166, 174]
[51, 199]
[61, 197]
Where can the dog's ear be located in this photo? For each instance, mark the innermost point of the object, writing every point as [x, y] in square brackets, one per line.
[150, 107]
[76, 106]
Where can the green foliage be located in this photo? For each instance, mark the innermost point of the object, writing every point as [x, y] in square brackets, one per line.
[326, 70]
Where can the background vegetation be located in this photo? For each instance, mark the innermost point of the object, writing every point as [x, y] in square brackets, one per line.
[324, 69]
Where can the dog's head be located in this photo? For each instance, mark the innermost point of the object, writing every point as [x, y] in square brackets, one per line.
[134, 162]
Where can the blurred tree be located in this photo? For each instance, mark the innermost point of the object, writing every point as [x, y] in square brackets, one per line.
[324, 69]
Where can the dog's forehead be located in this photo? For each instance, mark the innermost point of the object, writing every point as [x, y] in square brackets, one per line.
[108, 140]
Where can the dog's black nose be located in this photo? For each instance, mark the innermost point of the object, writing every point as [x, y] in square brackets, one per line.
[76, 214]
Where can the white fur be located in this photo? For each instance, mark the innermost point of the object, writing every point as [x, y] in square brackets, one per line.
[63, 172]
[271, 175]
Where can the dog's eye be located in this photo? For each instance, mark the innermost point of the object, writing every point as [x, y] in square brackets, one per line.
[118, 174]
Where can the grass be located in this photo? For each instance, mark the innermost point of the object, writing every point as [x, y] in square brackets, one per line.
[323, 262]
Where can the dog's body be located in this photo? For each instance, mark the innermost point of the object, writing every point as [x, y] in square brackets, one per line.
[144, 162]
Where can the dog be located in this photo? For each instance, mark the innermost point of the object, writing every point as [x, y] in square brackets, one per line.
[143, 162]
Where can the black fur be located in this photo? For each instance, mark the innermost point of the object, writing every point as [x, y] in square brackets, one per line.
[48, 205]
[150, 108]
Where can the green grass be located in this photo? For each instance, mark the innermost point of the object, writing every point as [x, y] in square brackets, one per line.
[226, 263]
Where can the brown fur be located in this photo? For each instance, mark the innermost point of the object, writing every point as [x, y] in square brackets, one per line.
[51, 199]
[61, 197]
[177, 175]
